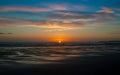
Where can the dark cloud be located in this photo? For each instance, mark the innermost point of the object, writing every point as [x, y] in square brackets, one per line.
[1, 33]
[9, 33]
[115, 33]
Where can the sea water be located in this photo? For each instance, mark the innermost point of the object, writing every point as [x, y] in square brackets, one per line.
[51, 54]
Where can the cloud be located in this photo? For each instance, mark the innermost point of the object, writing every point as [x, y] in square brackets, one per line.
[65, 6]
[106, 10]
[57, 7]
[60, 19]
[2, 18]
[59, 25]
[67, 13]
[117, 14]
[63, 20]
[71, 17]
[104, 15]
[9, 33]
[74, 20]
[98, 23]
[45, 8]
[8, 22]
[28, 9]
[1, 33]
[115, 33]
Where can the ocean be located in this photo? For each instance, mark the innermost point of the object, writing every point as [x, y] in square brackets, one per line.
[51, 54]
[59, 59]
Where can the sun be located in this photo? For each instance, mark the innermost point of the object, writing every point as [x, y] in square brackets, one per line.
[59, 41]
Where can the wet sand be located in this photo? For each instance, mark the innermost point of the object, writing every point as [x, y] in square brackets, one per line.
[92, 65]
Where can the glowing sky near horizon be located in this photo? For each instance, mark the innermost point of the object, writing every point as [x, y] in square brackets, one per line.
[59, 20]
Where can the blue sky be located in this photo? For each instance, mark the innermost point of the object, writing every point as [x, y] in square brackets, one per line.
[71, 20]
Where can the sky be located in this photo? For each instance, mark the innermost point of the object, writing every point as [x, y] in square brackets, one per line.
[59, 20]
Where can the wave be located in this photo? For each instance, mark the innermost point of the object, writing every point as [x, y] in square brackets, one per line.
[52, 54]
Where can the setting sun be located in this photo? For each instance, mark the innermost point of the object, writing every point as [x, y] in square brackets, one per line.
[59, 41]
